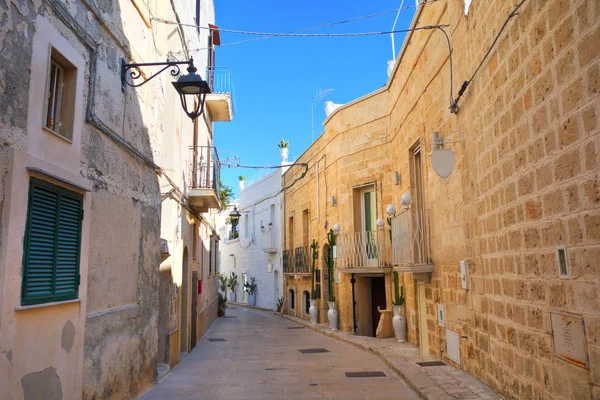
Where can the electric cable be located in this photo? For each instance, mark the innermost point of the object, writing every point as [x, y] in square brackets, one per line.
[454, 104]
[302, 175]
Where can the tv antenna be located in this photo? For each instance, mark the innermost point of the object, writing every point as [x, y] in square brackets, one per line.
[319, 95]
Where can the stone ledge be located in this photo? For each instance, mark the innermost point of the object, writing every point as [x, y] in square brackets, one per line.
[444, 383]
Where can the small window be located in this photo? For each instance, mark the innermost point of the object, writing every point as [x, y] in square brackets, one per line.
[562, 262]
[60, 95]
[52, 243]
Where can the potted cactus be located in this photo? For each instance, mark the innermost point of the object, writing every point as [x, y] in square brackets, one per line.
[250, 288]
[332, 314]
[284, 149]
[399, 322]
[241, 180]
[232, 285]
[223, 284]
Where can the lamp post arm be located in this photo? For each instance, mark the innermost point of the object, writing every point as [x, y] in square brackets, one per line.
[136, 73]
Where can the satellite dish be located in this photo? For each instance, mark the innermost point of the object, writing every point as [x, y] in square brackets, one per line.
[442, 162]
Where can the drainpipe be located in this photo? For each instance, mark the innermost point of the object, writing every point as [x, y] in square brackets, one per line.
[353, 281]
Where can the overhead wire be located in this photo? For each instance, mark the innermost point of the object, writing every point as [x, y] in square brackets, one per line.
[513, 13]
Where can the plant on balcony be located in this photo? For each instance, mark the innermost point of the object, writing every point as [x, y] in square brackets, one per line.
[283, 144]
[283, 149]
[399, 322]
[232, 284]
[331, 313]
[250, 288]
[313, 310]
[225, 195]
[242, 178]
[222, 305]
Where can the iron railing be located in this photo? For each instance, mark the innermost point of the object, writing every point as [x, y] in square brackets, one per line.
[205, 168]
[297, 261]
[410, 238]
[220, 82]
[364, 249]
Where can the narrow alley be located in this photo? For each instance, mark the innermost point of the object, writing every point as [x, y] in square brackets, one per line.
[251, 354]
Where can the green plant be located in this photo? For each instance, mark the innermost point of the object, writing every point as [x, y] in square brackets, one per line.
[232, 282]
[222, 283]
[399, 298]
[283, 144]
[222, 305]
[225, 195]
[279, 304]
[250, 286]
[242, 178]
[331, 241]
[315, 254]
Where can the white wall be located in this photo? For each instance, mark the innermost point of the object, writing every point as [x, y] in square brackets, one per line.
[248, 253]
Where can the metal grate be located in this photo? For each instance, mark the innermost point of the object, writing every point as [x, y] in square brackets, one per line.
[313, 351]
[431, 364]
[217, 340]
[295, 327]
[365, 374]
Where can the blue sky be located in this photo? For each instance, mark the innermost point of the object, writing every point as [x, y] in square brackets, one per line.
[275, 78]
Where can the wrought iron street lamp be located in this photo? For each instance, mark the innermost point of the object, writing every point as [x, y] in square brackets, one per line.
[234, 217]
[192, 89]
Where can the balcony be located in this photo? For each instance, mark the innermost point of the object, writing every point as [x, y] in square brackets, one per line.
[297, 262]
[364, 252]
[220, 102]
[269, 240]
[204, 173]
[410, 242]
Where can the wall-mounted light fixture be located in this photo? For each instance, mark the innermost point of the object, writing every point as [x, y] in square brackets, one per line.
[333, 201]
[337, 228]
[390, 210]
[380, 223]
[397, 178]
[191, 87]
[406, 200]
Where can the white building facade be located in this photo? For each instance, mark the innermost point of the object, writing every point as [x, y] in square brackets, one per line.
[257, 251]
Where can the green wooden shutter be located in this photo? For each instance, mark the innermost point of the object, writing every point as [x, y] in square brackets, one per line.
[52, 244]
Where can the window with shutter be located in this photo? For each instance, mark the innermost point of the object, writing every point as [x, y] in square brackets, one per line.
[52, 244]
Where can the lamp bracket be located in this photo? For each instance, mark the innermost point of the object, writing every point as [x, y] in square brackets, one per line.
[136, 73]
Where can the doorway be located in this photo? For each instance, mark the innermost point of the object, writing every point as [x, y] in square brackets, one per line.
[185, 292]
[422, 311]
[194, 307]
[377, 301]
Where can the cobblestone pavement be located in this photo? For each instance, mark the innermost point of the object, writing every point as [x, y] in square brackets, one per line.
[260, 359]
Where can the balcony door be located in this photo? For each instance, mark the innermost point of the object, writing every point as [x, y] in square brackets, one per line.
[417, 216]
[369, 227]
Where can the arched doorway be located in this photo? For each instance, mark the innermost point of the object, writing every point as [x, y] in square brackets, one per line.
[275, 289]
[305, 302]
[185, 295]
[292, 301]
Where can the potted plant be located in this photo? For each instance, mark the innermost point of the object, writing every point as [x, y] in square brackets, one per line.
[222, 305]
[283, 149]
[332, 314]
[313, 310]
[232, 284]
[250, 288]
[279, 304]
[399, 322]
[241, 178]
[223, 284]
[270, 225]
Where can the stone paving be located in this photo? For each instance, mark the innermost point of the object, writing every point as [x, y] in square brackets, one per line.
[260, 359]
[432, 383]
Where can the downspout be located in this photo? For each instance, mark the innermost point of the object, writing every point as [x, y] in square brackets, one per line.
[353, 281]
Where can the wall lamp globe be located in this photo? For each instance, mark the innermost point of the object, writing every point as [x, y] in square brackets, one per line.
[380, 223]
[390, 210]
[192, 89]
[406, 200]
[336, 228]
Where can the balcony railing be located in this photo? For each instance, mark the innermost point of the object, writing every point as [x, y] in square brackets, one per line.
[364, 249]
[221, 85]
[410, 239]
[205, 169]
[297, 261]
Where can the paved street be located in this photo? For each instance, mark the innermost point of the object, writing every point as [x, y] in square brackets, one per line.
[259, 359]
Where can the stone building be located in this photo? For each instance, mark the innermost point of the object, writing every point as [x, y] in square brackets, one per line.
[83, 165]
[498, 249]
[256, 252]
